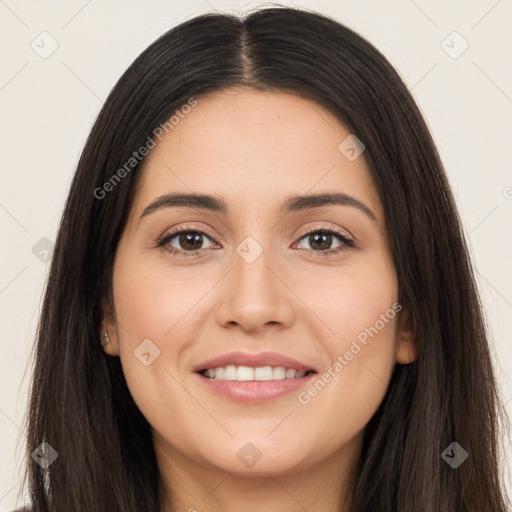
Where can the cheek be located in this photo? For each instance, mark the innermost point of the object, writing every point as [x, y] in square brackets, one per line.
[151, 302]
[363, 312]
[154, 314]
[360, 309]
[356, 303]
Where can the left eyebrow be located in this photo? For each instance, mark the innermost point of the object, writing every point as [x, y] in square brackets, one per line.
[217, 204]
[297, 203]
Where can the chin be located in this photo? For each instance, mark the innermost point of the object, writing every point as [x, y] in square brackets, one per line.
[256, 459]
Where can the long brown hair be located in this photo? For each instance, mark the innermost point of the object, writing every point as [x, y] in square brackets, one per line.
[80, 404]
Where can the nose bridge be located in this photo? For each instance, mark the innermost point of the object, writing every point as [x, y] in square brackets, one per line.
[251, 264]
[253, 296]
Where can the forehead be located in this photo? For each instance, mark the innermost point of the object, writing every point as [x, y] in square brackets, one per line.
[254, 148]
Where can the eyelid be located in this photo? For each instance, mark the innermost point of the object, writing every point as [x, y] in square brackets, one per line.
[186, 227]
[334, 230]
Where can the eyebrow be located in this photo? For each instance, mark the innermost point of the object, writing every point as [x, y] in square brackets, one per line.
[217, 204]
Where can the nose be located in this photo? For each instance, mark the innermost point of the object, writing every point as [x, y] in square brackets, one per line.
[255, 294]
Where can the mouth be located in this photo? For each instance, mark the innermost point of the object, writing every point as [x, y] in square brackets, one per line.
[253, 378]
[249, 366]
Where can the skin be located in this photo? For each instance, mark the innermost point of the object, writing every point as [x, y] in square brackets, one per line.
[256, 149]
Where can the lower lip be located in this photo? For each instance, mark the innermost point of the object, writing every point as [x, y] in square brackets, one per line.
[255, 392]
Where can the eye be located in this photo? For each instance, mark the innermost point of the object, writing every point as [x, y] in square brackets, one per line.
[320, 240]
[186, 241]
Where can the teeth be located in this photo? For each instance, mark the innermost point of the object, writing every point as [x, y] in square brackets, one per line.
[247, 373]
[278, 373]
[263, 373]
[230, 372]
[244, 373]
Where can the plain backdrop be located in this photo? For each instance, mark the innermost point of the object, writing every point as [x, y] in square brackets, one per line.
[454, 56]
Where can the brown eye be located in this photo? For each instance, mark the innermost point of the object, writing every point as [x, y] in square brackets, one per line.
[191, 240]
[321, 240]
[185, 241]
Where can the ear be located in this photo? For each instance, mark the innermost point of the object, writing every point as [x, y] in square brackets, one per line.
[407, 345]
[108, 324]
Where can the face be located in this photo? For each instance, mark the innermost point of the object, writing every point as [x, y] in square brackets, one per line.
[265, 282]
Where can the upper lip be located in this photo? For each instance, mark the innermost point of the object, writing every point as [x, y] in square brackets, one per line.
[253, 360]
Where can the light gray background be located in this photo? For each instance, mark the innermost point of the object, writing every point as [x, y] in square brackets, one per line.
[49, 104]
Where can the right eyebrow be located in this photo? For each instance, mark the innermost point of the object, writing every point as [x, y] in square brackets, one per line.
[198, 201]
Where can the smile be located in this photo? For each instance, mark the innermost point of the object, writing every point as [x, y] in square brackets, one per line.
[247, 373]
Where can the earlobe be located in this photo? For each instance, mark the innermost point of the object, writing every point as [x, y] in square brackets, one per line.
[407, 345]
[108, 334]
[406, 352]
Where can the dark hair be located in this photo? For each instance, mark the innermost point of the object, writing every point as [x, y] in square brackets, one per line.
[80, 403]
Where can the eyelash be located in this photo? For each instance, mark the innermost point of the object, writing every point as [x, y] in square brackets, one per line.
[347, 242]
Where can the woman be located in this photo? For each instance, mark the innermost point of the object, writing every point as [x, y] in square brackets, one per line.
[261, 296]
